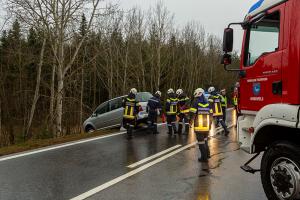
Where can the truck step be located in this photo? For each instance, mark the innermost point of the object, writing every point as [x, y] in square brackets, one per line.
[249, 169]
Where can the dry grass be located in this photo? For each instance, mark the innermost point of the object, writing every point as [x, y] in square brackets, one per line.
[34, 144]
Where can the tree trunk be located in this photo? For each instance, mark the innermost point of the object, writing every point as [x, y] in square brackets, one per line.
[81, 96]
[37, 90]
[59, 102]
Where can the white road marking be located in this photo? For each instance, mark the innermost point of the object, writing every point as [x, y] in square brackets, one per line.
[153, 156]
[131, 173]
[58, 146]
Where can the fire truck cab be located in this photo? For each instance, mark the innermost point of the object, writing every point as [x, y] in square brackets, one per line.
[269, 93]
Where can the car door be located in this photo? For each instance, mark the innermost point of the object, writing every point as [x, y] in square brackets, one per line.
[101, 116]
[116, 111]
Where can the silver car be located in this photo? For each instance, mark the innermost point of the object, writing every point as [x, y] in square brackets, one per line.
[110, 113]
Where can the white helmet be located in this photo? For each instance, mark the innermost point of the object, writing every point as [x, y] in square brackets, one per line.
[170, 91]
[133, 91]
[198, 92]
[158, 93]
[179, 91]
[211, 89]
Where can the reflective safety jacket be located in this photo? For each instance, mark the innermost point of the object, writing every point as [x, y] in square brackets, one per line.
[183, 104]
[215, 103]
[154, 105]
[200, 114]
[172, 106]
[131, 107]
[223, 101]
[235, 99]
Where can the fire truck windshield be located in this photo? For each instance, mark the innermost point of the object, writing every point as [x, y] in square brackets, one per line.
[262, 38]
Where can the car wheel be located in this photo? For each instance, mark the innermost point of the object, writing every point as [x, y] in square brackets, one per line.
[89, 129]
[280, 171]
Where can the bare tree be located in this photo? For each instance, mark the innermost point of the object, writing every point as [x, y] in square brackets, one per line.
[59, 17]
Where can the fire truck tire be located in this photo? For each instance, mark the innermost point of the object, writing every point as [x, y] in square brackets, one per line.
[280, 171]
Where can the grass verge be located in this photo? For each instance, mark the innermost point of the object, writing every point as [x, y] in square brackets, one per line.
[35, 144]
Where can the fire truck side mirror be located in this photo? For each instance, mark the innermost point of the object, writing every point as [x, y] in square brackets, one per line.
[228, 40]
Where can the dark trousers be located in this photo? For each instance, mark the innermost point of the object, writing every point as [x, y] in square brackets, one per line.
[129, 126]
[171, 121]
[224, 109]
[183, 121]
[152, 122]
[219, 119]
[202, 138]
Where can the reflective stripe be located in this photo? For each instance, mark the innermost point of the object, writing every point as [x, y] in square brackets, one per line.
[202, 142]
[202, 123]
[193, 110]
[217, 110]
[154, 100]
[203, 105]
[185, 111]
[171, 113]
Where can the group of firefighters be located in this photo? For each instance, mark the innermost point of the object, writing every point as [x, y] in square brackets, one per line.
[200, 113]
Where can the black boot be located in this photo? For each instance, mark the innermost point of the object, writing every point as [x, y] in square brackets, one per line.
[170, 130]
[187, 129]
[203, 152]
[155, 129]
[180, 128]
[174, 128]
[207, 149]
[129, 133]
[224, 127]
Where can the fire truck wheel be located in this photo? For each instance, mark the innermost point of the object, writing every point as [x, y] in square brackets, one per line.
[280, 171]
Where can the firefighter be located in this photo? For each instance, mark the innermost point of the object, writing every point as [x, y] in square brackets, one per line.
[154, 110]
[131, 109]
[215, 103]
[183, 106]
[235, 97]
[224, 103]
[171, 111]
[201, 117]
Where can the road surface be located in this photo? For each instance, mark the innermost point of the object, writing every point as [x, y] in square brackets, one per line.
[148, 167]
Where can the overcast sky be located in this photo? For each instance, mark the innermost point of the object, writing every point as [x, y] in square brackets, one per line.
[214, 15]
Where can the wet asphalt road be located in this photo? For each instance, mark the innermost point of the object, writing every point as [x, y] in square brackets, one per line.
[70, 171]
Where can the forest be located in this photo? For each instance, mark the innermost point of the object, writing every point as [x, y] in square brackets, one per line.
[59, 59]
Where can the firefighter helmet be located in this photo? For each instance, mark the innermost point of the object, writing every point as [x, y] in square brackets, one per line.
[179, 92]
[211, 89]
[158, 93]
[170, 91]
[198, 92]
[133, 91]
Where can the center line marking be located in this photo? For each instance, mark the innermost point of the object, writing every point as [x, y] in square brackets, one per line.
[131, 173]
[153, 156]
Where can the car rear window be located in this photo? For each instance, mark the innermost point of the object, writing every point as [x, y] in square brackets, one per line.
[143, 96]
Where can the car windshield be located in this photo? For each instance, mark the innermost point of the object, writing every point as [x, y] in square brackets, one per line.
[143, 96]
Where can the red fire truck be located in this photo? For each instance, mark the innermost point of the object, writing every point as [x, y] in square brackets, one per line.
[270, 93]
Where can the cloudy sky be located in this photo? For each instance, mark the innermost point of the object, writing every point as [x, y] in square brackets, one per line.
[214, 15]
